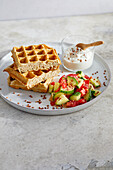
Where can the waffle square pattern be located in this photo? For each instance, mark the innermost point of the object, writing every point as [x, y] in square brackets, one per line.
[31, 78]
[35, 57]
[41, 87]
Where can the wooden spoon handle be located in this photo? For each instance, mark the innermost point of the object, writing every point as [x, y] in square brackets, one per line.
[95, 43]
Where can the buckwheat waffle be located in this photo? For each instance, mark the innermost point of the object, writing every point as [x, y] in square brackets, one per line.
[35, 57]
[41, 87]
[31, 78]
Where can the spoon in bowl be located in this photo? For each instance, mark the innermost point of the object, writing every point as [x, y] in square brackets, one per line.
[85, 46]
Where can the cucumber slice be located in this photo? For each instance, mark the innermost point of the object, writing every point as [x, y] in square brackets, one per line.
[58, 94]
[91, 87]
[95, 82]
[76, 96]
[67, 90]
[80, 73]
[50, 88]
[71, 81]
[88, 95]
[62, 100]
[56, 86]
[80, 83]
[96, 93]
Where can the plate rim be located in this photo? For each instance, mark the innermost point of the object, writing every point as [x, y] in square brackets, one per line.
[69, 110]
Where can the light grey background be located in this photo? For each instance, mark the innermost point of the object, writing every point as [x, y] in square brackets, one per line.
[22, 9]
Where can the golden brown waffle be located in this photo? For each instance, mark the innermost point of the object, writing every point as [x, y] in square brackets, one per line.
[41, 87]
[35, 57]
[31, 78]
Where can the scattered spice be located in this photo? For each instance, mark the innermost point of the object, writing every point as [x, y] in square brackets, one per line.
[28, 102]
[104, 73]
[18, 103]
[92, 73]
[13, 92]
[53, 108]
[6, 97]
[31, 96]
[104, 83]
[80, 60]
[32, 107]
[25, 100]
[0, 88]
[62, 71]
[18, 94]
[85, 60]
[28, 105]
[104, 70]
[39, 101]
[97, 77]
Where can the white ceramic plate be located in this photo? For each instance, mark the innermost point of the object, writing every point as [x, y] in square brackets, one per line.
[21, 95]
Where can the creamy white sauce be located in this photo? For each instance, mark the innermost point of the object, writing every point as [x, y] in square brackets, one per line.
[75, 58]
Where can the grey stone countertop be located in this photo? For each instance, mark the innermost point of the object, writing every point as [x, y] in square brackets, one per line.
[79, 140]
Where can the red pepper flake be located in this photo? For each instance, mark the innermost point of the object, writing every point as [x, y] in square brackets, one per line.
[104, 73]
[0, 88]
[25, 100]
[62, 71]
[41, 95]
[96, 71]
[92, 73]
[85, 60]
[104, 70]
[53, 108]
[13, 92]
[39, 101]
[10, 100]
[106, 79]
[31, 96]
[72, 61]
[45, 108]
[94, 79]
[28, 102]
[6, 97]
[18, 94]
[104, 84]
[56, 107]
[18, 103]
[32, 107]
[80, 60]
[68, 58]
[28, 105]
[64, 56]
[44, 97]
[104, 76]
[97, 77]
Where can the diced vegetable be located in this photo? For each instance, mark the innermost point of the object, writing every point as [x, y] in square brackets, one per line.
[56, 86]
[88, 95]
[61, 100]
[96, 93]
[67, 90]
[80, 83]
[56, 95]
[76, 96]
[72, 81]
[95, 82]
[50, 88]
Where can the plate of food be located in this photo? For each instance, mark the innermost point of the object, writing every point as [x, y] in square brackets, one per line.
[33, 79]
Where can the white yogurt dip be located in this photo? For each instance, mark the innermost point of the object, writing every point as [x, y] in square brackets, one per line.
[75, 58]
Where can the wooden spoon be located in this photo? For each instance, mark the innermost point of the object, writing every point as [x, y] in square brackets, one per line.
[85, 46]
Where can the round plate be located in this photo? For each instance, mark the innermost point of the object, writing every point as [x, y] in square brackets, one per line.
[17, 97]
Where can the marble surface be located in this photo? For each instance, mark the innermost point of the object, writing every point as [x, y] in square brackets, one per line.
[31, 142]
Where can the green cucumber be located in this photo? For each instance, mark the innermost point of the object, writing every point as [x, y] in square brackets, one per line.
[56, 86]
[88, 95]
[80, 83]
[67, 90]
[91, 87]
[80, 73]
[50, 88]
[95, 82]
[96, 93]
[76, 96]
[58, 94]
[71, 81]
[62, 100]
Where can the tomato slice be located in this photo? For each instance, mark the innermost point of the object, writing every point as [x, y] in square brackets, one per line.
[53, 83]
[86, 76]
[82, 91]
[71, 103]
[81, 101]
[73, 75]
[63, 82]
